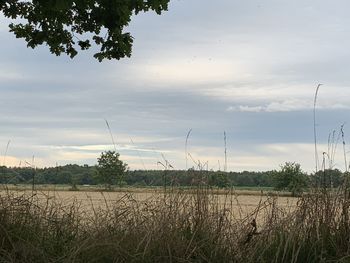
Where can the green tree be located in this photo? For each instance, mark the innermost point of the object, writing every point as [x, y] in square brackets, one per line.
[327, 178]
[290, 178]
[64, 25]
[110, 168]
[219, 179]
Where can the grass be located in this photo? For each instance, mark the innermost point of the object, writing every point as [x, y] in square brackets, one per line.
[178, 226]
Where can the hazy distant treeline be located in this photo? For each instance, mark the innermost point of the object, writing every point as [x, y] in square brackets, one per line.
[80, 175]
[87, 175]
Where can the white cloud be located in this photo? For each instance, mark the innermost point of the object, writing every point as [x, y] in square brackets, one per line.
[188, 71]
[244, 108]
[288, 106]
[106, 147]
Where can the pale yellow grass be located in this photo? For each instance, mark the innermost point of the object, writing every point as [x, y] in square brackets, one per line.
[241, 206]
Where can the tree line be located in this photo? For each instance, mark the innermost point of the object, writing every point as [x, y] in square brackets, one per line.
[290, 177]
[89, 175]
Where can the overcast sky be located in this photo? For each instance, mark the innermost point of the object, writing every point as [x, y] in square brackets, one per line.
[249, 68]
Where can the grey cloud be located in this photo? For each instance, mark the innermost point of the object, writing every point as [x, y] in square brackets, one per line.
[261, 60]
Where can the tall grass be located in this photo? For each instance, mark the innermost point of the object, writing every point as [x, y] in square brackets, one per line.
[175, 227]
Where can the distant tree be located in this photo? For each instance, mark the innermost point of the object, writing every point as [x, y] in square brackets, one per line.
[328, 178]
[64, 25]
[110, 169]
[219, 179]
[290, 178]
[64, 177]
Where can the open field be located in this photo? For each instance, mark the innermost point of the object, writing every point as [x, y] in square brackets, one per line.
[191, 225]
[240, 190]
[240, 204]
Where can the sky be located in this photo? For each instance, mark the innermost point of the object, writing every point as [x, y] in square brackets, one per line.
[246, 68]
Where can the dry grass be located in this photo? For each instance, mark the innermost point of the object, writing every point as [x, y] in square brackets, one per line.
[174, 227]
[248, 191]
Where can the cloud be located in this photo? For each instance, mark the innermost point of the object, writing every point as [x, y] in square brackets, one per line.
[14, 161]
[106, 147]
[243, 108]
[288, 106]
[198, 71]
[190, 68]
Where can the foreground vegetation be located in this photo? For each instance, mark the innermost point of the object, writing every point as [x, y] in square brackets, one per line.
[175, 227]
